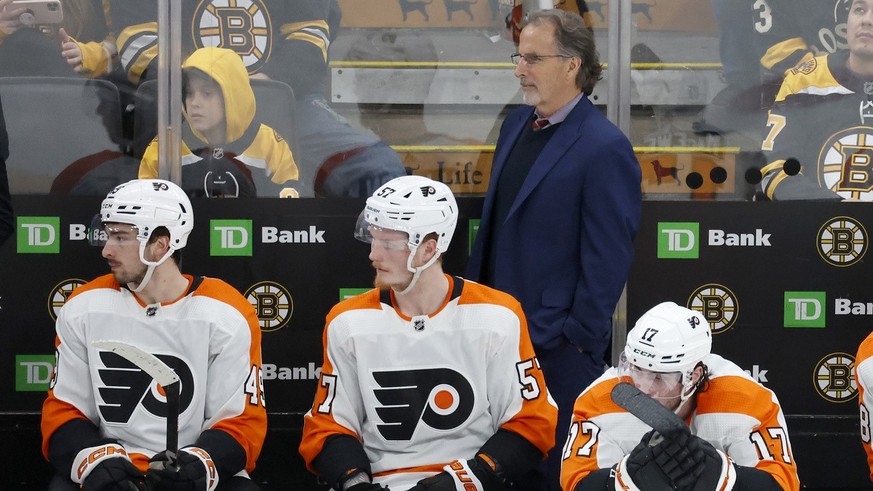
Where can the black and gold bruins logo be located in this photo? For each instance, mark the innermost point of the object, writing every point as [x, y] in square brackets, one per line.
[240, 25]
[842, 241]
[717, 304]
[806, 67]
[832, 377]
[60, 293]
[273, 303]
[845, 164]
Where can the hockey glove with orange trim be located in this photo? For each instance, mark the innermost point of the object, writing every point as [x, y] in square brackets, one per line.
[191, 470]
[473, 474]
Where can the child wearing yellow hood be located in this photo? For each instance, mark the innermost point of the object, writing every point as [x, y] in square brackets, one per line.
[225, 153]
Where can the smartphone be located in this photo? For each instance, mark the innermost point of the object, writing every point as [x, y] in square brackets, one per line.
[39, 11]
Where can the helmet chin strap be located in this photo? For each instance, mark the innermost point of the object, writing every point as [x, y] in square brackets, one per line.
[151, 266]
[416, 272]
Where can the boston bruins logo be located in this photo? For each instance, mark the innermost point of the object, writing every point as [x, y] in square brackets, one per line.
[846, 163]
[240, 25]
[717, 304]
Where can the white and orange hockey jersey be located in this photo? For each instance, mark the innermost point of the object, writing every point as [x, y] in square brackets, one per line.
[864, 380]
[735, 414]
[210, 337]
[421, 392]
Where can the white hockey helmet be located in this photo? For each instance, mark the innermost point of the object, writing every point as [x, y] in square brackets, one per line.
[149, 204]
[668, 338]
[415, 205]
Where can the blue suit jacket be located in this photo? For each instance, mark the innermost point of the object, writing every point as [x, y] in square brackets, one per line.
[566, 246]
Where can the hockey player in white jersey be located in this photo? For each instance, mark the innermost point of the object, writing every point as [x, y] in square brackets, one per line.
[104, 419]
[429, 382]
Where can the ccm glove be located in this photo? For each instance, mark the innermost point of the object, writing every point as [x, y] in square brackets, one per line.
[639, 468]
[106, 467]
[681, 457]
[464, 475]
[191, 470]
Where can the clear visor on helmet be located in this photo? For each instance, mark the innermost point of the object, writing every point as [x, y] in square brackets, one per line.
[113, 234]
[392, 240]
[657, 385]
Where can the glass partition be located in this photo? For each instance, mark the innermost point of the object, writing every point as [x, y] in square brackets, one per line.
[354, 92]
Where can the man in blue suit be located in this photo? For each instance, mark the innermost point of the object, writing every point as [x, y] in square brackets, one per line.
[561, 213]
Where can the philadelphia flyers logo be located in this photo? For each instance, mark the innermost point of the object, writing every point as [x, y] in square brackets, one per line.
[440, 398]
[125, 387]
[243, 26]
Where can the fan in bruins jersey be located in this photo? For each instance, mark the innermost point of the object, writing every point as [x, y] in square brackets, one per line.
[104, 419]
[280, 40]
[225, 151]
[791, 31]
[429, 382]
[823, 120]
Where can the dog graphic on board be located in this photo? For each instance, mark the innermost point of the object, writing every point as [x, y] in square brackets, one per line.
[462, 5]
[662, 171]
[407, 6]
[636, 8]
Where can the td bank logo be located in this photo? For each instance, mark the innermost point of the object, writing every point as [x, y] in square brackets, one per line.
[39, 235]
[230, 237]
[678, 240]
[804, 309]
[345, 293]
[33, 372]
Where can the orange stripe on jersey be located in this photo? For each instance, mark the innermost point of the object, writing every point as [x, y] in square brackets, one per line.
[55, 413]
[538, 416]
[434, 468]
[582, 452]
[249, 428]
[732, 394]
[865, 352]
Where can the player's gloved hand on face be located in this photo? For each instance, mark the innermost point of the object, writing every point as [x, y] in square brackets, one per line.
[117, 474]
[639, 468]
[475, 472]
[681, 457]
[191, 470]
[717, 470]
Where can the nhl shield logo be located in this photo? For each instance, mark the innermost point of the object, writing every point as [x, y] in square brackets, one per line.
[418, 323]
[868, 88]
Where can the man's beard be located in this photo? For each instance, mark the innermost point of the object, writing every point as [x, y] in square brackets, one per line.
[135, 277]
[381, 284]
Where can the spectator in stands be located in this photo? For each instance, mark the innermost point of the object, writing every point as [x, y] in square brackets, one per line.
[738, 438]
[429, 381]
[86, 44]
[816, 142]
[738, 106]
[6, 218]
[564, 180]
[292, 40]
[225, 152]
[864, 379]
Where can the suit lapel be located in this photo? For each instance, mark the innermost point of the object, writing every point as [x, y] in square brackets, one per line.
[565, 137]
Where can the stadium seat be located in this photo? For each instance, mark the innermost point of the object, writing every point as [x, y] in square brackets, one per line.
[55, 121]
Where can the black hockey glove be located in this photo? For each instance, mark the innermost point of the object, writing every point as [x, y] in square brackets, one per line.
[103, 465]
[681, 457]
[191, 470]
[117, 474]
[457, 475]
[717, 471]
[640, 468]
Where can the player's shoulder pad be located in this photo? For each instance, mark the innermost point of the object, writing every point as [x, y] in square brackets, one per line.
[101, 282]
[367, 300]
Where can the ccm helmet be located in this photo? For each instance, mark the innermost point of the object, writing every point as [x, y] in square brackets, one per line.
[414, 205]
[147, 204]
[668, 338]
